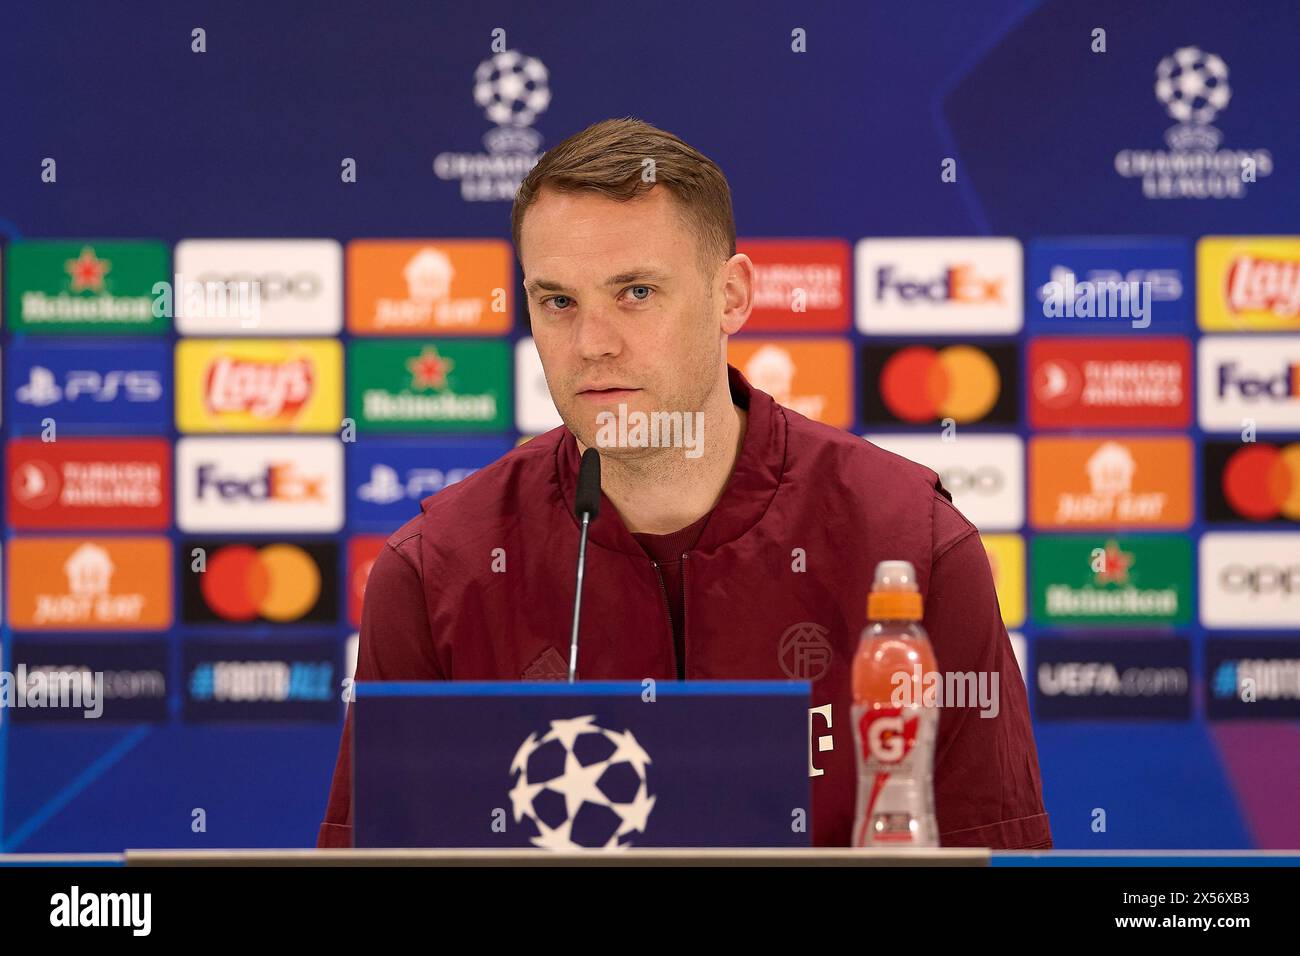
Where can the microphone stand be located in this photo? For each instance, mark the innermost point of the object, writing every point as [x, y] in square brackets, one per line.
[577, 602]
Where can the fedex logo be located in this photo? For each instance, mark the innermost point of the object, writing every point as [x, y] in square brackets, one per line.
[278, 482]
[958, 283]
[1284, 384]
[259, 484]
[1254, 377]
[939, 286]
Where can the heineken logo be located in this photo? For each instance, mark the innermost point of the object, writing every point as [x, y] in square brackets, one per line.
[1066, 601]
[87, 271]
[85, 287]
[1113, 565]
[443, 385]
[1136, 579]
[429, 369]
[262, 389]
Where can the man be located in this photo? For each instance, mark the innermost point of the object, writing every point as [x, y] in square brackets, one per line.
[709, 555]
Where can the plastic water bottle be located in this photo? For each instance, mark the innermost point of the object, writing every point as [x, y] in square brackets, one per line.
[893, 731]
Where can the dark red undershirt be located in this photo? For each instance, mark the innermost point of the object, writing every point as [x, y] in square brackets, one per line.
[667, 551]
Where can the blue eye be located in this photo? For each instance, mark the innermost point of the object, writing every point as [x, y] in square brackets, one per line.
[641, 298]
[555, 300]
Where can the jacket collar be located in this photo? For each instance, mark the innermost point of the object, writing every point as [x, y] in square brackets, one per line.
[748, 493]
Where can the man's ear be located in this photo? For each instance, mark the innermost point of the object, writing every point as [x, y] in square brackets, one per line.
[737, 292]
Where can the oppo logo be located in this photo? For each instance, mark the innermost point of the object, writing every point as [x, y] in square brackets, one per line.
[984, 480]
[1260, 579]
[271, 285]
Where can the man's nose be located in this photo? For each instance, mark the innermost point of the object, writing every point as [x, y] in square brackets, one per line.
[596, 335]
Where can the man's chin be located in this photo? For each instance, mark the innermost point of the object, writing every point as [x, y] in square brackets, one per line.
[601, 430]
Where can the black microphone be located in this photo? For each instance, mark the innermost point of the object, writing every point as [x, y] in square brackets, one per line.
[586, 505]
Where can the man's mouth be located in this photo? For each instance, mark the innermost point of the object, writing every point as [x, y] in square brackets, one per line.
[610, 394]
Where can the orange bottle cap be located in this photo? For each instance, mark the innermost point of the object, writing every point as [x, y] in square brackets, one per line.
[894, 606]
[894, 594]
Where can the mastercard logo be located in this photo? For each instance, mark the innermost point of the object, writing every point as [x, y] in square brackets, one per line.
[1262, 482]
[920, 384]
[277, 582]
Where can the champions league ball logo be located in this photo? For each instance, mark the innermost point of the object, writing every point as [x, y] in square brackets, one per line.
[1194, 88]
[581, 786]
[512, 89]
[1192, 85]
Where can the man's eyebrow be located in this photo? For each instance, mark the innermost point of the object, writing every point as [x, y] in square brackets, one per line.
[635, 275]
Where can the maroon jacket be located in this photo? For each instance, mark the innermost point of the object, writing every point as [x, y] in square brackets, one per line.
[435, 608]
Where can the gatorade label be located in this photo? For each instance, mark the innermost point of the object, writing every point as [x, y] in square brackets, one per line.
[887, 739]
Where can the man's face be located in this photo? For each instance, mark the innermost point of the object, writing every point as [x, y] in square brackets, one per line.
[622, 312]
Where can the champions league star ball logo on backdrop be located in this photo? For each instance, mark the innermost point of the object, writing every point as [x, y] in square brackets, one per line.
[581, 786]
[513, 90]
[1192, 85]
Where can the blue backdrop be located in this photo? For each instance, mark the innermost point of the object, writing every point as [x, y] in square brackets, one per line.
[245, 140]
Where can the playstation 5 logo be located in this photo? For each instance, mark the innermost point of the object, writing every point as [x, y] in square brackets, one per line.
[386, 486]
[136, 385]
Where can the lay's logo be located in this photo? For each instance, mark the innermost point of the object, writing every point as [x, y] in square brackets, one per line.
[1006, 554]
[266, 390]
[1248, 283]
[259, 385]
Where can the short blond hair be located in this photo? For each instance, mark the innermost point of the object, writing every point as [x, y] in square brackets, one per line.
[609, 157]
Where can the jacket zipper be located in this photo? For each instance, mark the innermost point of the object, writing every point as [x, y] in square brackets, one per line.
[668, 611]
[685, 647]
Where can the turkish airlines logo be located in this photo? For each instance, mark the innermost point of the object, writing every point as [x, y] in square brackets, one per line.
[1250, 580]
[800, 285]
[363, 549]
[1109, 381]
[86, 482]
